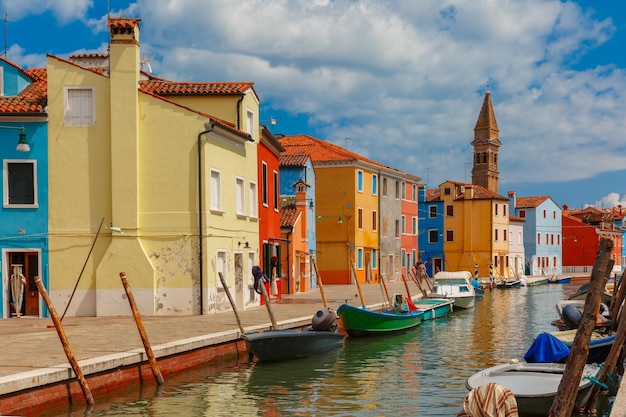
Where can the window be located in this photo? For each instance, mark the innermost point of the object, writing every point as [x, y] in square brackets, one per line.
[20, 183]
[216, 190]
[359, 214]
[495, 236]
[264, 184]
[374, 220]
[374, 259]
[403, 257]
[253, 198]
[414, 193]
[403, 227]
[359, 181]
[80, 106]
[522, 214]
[496, 208]
[403, 190]
[504, 235]
[432, 212]
[397, 228]
[450, 210]
[250, 123]
[554, 214]
[447, 191]
[538, 239]
[275, 185]
[433, 236]
[384, 187]
[449, 235]
[221, 266]
[397, 189]
[504, 210]
[544, 214]
[240, 197]
[374, 184]
[359, 258]
[414, 225]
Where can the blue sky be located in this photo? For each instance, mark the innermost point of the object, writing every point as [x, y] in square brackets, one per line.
[399, 82]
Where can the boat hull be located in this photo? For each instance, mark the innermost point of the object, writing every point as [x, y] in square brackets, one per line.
[599, 346]
[361, 322]
[281, 345]
[434, 307]
[455, 286]
[534, 385]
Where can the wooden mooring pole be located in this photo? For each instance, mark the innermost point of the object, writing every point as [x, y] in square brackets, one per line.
[66, 344]
[268, 305]
[142, 332]
[232, 302]
[563, 404]
[319, 283]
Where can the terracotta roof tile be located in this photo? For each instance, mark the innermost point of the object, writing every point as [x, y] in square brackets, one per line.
[530, 202]
[320, 150]
[164, 87]
[33, 99]
[293, 160]
[432, 194]
[288, 215]
[480, 193]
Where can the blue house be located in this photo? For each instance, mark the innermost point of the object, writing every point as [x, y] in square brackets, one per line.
[543, 237]
[24, 219]
[430, 230]
[295, 168]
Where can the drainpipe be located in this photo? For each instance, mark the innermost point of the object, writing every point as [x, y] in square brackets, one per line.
[239, 111]
[200, 225]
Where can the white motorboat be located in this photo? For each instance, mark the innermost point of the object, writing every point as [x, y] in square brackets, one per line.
[534, 385]
[455, 285]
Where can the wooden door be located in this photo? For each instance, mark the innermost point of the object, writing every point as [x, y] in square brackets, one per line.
[30, 269]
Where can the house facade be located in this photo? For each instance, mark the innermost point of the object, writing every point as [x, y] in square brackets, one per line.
[24, 219]
[431, 225]
[542, 233]
[114, 132]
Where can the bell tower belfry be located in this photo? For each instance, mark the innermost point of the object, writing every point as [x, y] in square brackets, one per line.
[486, 143]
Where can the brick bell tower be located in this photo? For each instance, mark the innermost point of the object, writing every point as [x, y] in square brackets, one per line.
[486, 143]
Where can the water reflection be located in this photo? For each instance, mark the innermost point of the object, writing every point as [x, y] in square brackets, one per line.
[418, 373]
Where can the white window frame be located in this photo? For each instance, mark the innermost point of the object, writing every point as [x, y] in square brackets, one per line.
[250, 123]
[216, 190]
[84, 106]
[6, 190]
[254, 200]
[240, 196]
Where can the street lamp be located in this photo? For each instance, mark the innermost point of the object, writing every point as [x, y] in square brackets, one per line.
[22, 144]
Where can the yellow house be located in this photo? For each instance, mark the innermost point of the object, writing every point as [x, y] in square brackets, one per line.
[476, 229]
[159, 177]
[346, 199]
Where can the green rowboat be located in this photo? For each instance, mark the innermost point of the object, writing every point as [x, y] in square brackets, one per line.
[361, 322]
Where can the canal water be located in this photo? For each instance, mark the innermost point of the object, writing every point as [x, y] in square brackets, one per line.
[418, 373]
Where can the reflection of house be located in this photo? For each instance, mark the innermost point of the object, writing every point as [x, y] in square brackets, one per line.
[24, 224]
[542, 233]
[172, 165]
[295, 257]
[582, 230]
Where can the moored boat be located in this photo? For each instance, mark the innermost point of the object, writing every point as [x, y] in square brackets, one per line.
[534, 385]
[434, 307]
[280, 345]
[600, 344]
[560, 280]
[506, 283]
[360, 321]
[456, 286]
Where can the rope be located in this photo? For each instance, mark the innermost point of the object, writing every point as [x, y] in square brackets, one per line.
[596, 381]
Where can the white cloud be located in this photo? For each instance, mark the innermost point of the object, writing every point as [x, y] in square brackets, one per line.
[63, 10]
[612, 200]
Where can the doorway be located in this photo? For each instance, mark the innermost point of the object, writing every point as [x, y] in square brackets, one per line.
[26, 264]
[239, 280]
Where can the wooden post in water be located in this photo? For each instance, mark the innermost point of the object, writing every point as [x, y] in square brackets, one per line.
[232, 302]
[564, 401]
[609, 363]
[618, 297]
[66, 344]
[268, 305]
[142, 333]
[319, 283]
[382, 280]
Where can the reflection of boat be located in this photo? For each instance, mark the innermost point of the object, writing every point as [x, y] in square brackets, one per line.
[434, 307]
[280, 345]
[360, 321]
[534, 384]
[455, 285]
[560, 280]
